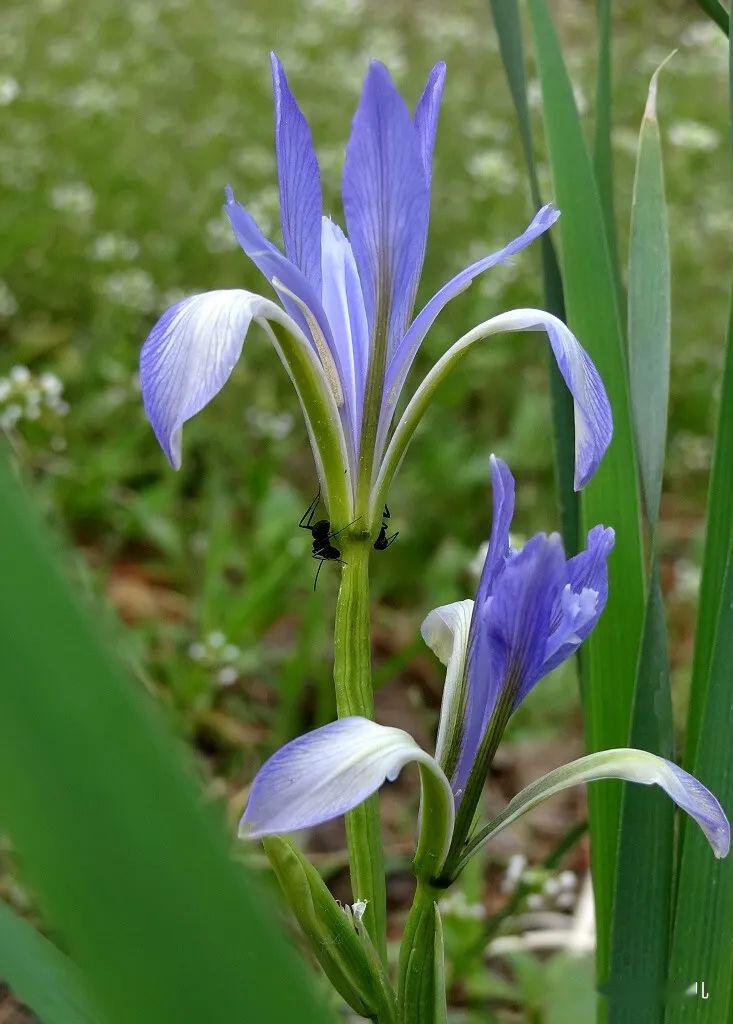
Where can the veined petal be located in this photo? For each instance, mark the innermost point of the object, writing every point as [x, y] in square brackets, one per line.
[593, 420]
[343, 304]
[632, 766]
[277, 268]
[299, 179]
[189, 356]
[427, 112]
[386, 203]
[502, 489]
[407, 349]
[445, 631]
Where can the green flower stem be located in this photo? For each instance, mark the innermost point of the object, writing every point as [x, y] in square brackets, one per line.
[353, 683]
[420, 999]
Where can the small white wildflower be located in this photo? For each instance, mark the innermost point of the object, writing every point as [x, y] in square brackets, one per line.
[74, 197]
[565, 900]
[111, 246]
[196, 651]
[5, 388]
[694, 135]
[535, 901]
[9, 90]
[219, 235]
[50, 384]
[568, 880]
[551, 887]
[514, 871]
[476, 565]
[230, 653]
[216, 639]
[20, 374]
[133, 288]
[227, 676]
[687, 578]
[10, 416]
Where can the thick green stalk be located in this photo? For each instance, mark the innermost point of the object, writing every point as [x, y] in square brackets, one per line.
[354, 696]
[421, 968]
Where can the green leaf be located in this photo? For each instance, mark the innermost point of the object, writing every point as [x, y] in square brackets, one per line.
[642, 907]
[40, 975]
[602, 150]
[703, 926]
[715, 10]
[509, 30]
[127, 858]
[612, 497]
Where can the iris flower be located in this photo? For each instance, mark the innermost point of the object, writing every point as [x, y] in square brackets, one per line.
[532, 610]
[344, 326]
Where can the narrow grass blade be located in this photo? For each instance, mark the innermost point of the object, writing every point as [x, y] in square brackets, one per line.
[715, 10]
[612, 497]
[126, 857]
[642, 905]
[702, 946]
[509, 30]
[40, 975]
[602, 151]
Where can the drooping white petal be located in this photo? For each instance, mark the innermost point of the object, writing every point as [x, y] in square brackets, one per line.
[188, 357]
[445, 630]
[327, 772]
[629, 765]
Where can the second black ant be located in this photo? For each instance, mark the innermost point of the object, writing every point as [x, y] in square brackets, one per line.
[322, 535]
[383, 541]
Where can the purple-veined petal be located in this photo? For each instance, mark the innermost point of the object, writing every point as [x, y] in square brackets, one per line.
[343, 305]
[583, 599]
[277, 268]
[631, 766]
[427, 112]
[327, 772]
[407, 349]
[188, 357]
[386, 203]
[299, 179]
[445, 630]
[508, 638]
[502, 490]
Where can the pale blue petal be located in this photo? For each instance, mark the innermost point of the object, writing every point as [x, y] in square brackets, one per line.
[324, 774]
[502, 489]
[188, 357]
[299, 179]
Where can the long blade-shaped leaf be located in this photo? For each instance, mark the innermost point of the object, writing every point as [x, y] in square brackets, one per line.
[602, 151]
[715, 10]
[702, 947]
[39, 974]
[612, 497]
[509, 30]
[642, 905]
[114, 836]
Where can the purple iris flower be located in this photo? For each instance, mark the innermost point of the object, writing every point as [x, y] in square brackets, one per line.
[533, 609]
[349, 299]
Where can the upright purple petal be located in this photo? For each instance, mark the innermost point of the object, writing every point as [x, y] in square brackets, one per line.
[427, 112]
[343, 305]
[502, 487]
[407, 349]
[508, 639]
[189, 356]
[386, 203]
[300, 180]
[697, 800]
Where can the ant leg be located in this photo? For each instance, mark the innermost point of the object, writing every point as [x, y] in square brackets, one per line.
[392, 539]
[386, 513]
[345, 527]
[318, 572]
[306, 520]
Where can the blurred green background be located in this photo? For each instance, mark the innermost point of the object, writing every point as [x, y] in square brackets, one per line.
[120, 127]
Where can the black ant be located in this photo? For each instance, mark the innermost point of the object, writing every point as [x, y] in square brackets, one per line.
[323, 549]
[383, 541]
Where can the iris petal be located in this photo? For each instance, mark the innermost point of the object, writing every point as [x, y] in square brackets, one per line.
[329, 771]
[502, 490]
[407, 349]
[299, 179]
[386, 203]
[427, 112]
[445, 631]
[188, 357]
